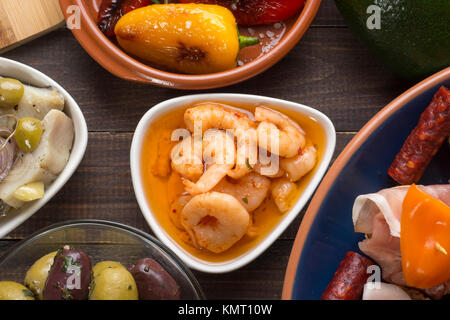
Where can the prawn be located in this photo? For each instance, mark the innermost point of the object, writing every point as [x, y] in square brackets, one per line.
[283, 191]
[215, 221]
[207, 116]
[250, 191]
[185, 160]
[247, 153]
[259, 168]
[219, 156]
[278, 134]
[176, 197]
[215, 116]
[298, 166]
[176, 206]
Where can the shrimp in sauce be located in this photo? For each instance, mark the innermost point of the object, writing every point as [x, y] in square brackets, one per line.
[296, 167]
[276, 126]
[186, 161]
[215, 221]
[222, 202]
[250, 191]
[219, 157]
[283, 192]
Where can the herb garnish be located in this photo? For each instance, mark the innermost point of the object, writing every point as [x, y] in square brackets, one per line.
[66, 294]
[28, 293]
[68, 262]
[248, 165]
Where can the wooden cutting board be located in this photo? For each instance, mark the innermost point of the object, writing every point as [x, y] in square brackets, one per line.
[24, 20]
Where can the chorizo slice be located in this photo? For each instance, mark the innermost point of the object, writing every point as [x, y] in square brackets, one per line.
[349, 279]
[424, 141]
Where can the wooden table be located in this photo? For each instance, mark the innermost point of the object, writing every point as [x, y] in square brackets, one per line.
[329, 70]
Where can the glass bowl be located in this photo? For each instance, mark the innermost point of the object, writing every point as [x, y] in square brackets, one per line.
[101, 240]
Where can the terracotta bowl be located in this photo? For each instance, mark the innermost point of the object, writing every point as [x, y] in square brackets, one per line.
[327, 232]
[253, 60]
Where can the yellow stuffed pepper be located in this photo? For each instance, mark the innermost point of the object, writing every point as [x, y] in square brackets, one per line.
[184, 38]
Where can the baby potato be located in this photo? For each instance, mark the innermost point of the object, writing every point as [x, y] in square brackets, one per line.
[10, 290]
[37, 275]
[112, 281]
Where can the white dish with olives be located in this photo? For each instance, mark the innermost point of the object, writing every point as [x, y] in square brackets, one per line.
[43, 137]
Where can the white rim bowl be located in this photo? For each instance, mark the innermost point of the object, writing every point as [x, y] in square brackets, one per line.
[169, 105]
[30, 76]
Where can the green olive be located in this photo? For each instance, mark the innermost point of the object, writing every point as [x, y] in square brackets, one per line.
[11, 92]
[37, 274]
[28, 133]
[112, 281]
[99, 267]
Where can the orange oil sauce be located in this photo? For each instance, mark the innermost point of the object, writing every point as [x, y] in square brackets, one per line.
[158, 191]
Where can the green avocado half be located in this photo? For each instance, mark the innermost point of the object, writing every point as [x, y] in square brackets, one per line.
[412, 37]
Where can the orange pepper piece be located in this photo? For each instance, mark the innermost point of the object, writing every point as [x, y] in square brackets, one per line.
[425, 239]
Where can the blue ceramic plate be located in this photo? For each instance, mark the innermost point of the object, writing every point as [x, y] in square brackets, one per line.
[326, 233]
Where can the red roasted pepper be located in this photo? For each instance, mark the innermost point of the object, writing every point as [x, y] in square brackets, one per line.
[255, 12]
[112, 10]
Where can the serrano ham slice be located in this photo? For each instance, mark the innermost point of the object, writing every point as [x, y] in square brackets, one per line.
[378, 216]
[389, 202]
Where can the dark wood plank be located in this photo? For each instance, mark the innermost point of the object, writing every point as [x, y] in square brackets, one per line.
[261, 279]
[5, 245]
[328, 16]
[329, 70]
